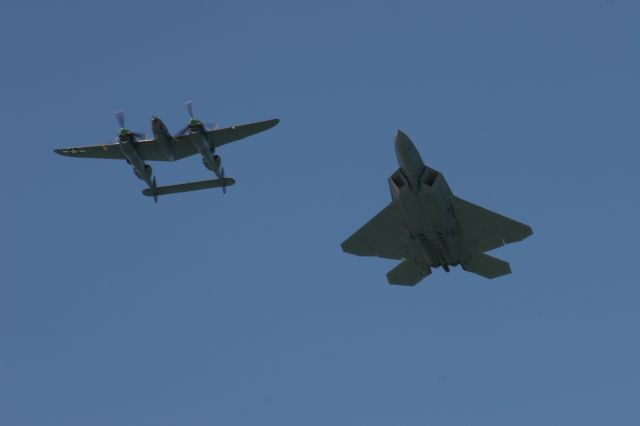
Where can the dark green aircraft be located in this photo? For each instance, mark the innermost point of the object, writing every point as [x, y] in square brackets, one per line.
[426, 226]
[135, 149]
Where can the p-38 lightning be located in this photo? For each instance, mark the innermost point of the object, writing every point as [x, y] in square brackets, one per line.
[195, 138]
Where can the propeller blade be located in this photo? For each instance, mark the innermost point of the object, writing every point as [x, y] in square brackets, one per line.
[120, 118]
[183, 131]
[210, 126]
[189, 105]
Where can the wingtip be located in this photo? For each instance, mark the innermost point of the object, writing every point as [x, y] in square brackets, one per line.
[529, 231]
[274, 122]
[347, 246]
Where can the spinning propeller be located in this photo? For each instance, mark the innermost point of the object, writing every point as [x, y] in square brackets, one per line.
[124, 132]
[194, 123]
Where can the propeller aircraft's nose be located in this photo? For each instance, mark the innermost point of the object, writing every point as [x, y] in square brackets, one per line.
[156, 123]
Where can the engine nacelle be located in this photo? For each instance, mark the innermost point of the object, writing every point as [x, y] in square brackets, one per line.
[217, 162]
[148, 171]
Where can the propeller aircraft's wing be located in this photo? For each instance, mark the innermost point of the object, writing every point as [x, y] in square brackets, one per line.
[147, 149]
[111, 151]
[383, 236]
[181, 146]
[230, 134]
[485, 230]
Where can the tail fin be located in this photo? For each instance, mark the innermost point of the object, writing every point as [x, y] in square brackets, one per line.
[407, 273]
[486, 266]
[224, 187]
[155, 190]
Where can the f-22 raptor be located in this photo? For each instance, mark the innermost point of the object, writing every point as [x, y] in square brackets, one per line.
[427, 226]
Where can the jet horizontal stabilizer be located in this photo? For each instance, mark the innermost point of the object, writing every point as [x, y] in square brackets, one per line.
[189, 186]
[487, 266]
[406, 273]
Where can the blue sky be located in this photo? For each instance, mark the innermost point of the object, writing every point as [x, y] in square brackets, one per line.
[241, 309]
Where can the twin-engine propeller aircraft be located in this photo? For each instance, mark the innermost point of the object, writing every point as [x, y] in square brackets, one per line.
[426, 226]
[164, 146]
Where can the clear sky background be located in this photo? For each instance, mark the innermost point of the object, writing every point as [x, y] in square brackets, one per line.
[241, 309]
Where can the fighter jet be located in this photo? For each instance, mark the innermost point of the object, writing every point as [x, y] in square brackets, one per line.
[136, 149]
[426, 226]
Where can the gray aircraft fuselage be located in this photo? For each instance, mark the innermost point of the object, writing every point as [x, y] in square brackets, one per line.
[423, 197]
[162, 137]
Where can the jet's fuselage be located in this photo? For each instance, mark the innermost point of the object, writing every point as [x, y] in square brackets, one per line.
[423, 197]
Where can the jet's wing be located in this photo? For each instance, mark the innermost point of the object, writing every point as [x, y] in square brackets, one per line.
[111, 151]
[383, 236]
[485, 230]
[221, 137]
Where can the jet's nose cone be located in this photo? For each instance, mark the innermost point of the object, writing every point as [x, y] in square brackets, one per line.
[403, 144]
[408, 157]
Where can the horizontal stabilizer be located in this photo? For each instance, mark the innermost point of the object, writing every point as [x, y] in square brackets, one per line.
[486, 266]
[406, 273]
[187, 187]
